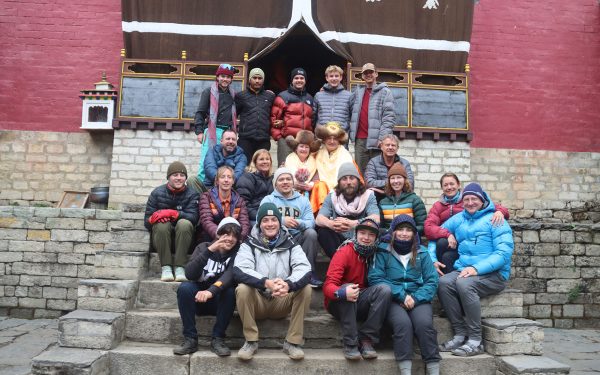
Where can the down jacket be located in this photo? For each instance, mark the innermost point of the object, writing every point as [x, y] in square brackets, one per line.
[257, 262]
[376, 172]
[215, 159]
[254, 113]
[333, 104]
[382, 116]
[346, 267]
[480, 244]
[211, 212]
[161, 198]
[295, 109]
[442, 211]
[253, 187]
[408, 203]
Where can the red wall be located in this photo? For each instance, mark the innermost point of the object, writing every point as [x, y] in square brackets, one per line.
[50, 50]
[535, 68]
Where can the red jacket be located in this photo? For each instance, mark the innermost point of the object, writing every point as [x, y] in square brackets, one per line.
[442, 211]
[346, 267]
[295, 109]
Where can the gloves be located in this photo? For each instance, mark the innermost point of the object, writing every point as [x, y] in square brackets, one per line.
[163, 216]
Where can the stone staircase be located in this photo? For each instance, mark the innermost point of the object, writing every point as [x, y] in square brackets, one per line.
[127, 323]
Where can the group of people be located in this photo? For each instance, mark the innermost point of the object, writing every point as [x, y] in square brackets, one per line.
[259, 231]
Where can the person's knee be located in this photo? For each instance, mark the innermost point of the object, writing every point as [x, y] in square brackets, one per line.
[310, 235]
[184, 224]
[186, 289]
[161, 229]
[445, 282]
[465, 285]
[382, 291]
[243, 292]
[305, 293]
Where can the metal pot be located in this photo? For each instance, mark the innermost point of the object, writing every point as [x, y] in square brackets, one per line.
[99, 194]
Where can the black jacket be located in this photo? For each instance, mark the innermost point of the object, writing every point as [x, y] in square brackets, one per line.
[254, 113]
[224, 111]
[214, 271]
[162, 198]
[253, 187]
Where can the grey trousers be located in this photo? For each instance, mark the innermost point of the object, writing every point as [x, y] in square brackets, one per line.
[161, 240]
[463, 294]
[371, 308]
[416, 322]
[309, 243]
[362, 154]
[283, 150]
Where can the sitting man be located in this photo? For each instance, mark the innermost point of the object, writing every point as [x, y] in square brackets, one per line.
[298, 217]
[347, 296]
[273, 273]
[226, 153]
[343, 207]
[377, 170]
[172, 209]
[210, 291]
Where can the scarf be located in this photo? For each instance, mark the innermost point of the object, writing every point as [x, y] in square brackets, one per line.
[354, 208]
[402, 247]
[214, 110]
[454, 200]
[294, 163]
[328, 164]
[365, 251]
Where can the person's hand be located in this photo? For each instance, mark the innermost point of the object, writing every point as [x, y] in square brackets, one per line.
[335, 225]
[281, 288]
[497, 219]
[203, 296]
[200, 137]
[277, 123]
[221, 244]
[380, 191]
[409, 302]
[290, 222]
[439, 265]
[468, 271]
[452, 241]
[352, 292]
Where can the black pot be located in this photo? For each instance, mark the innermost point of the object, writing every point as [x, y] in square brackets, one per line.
[99, 194]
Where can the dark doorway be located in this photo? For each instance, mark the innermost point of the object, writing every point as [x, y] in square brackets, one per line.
[298, 48]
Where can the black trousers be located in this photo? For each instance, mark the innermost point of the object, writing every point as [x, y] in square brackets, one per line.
[329, 240]
[250, 146]
[445, 255]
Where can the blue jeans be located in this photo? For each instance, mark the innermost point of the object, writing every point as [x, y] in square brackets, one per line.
[221, 306]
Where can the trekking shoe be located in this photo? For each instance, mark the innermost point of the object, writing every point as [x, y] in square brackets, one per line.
[468, 350]
[293, 351]
[451, 344]
[247, 351]
[167, 274]
[366, 349]
[180, 274]
[315, 283]
[217, 346]
[189, 346]
[351, 353]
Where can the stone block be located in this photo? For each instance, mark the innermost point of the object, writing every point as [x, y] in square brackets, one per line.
[128, 235]
[128, 246]
[83, 213]
[512, 336]
[39, 257]
[108, 214]
[528, 365]
[59, 247]
[95, 225]
[550, 235]
[62, 304]
[46, 314]
[107, 295]
[9, 279]
[573, 311]
[592, 250]
[64, 223]
[120, 265]
[91, 329]
[587, 261]
[27, 302]
[12, 256]
[38, 235]
[530, 236]
[13, 234]
[65, 282]
[563, 323]
[508, 304]
[149, 359]
[26, 246]
[71, 361]
[540, 311]
[558, 273]
[44, 269]
[564, 261]
[100, 237]
[46, 212]
[567, 237]
[71, 258]
[56, 293]
[87, 248]
[69, 235]
[29, 280]
[551, 298]
[572, 249]
[9, 301]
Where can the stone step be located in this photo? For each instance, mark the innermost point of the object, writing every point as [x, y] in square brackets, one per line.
[530, 365]
[504, 337]
[132, 358]
[120, 265]
[106, 295]
[321, 330]
[71, 361]
[91, 329]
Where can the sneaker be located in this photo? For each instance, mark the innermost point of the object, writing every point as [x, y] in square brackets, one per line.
[167, 274]
[189, 346]
[351, 353]
[217, 346]
[315, 283]
[180, 274]
[293, 351]
[468, 350]
[451, 344]
[366, 349]
[247, 351]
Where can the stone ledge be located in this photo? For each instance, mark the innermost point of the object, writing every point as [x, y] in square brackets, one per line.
[527, 365]
[71, 361]
[91, 329]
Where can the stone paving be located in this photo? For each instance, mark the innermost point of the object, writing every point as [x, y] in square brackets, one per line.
[21, 340]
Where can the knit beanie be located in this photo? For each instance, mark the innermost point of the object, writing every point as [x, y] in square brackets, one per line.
[257, 72]
[347, 169]
[228, 220]
[475, 189]
[298, 71]
[226, 69]
[397, 169]
[267, 209]
[398, 220]
[176, 167]
[279, 172]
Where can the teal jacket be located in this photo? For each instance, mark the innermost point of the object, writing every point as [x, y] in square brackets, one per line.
[420, 281]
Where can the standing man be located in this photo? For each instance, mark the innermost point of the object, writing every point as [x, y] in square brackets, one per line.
[172, 209]
[273, 273]
[377, 169]
[333, 102]
[372, 116]
[254, 109]
[292, 111]
[216, 112]
[298, 217]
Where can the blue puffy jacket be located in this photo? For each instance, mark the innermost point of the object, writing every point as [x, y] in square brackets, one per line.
[215, 159]
[480, 244]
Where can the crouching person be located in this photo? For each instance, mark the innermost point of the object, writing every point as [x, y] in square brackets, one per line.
[273, 273]
[407, 269]
[347, 297]
[211, 291]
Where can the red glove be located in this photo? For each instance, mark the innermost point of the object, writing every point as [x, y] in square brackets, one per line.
[172, 214]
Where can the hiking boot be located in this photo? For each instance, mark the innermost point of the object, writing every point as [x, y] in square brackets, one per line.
[180, 274]
[189, 346]
[167, 274]
[351, 352]
[247, 351]
[366, 349]
[315, 283]
[293, 351]
[217, 346]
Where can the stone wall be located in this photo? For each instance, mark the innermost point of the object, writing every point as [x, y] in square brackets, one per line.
[36, 167]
